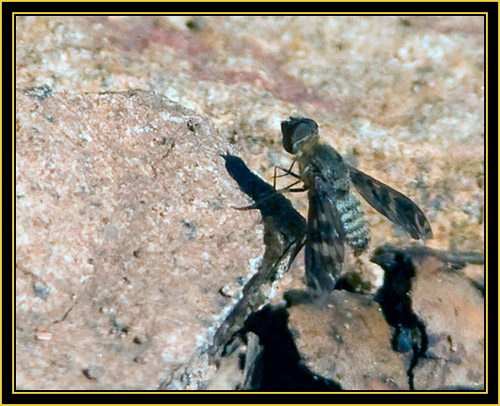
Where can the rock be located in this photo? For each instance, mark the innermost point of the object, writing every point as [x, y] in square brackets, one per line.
[349, 342]
[437, 314]
[424, 330]
[124, 211]
[452, 309]
[123, 204]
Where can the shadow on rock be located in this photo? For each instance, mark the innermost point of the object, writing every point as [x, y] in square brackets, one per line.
[284, 231]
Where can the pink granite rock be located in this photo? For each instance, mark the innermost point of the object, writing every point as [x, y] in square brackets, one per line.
[452, 309]
[349, 342]
[424, 330]
[128, 253]
[124, 238]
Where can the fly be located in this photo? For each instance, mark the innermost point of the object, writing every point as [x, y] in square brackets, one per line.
[335, 216]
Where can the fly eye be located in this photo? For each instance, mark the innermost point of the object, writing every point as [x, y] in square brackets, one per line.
[295, 130]
[287, 131]
[302, 131]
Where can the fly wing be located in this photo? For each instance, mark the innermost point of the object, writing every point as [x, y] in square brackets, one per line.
[392, 204]
[325, 238]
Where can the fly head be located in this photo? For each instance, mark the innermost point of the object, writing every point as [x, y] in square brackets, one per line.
[297, 132]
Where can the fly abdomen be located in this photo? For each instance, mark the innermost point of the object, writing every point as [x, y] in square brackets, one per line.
[353, 222]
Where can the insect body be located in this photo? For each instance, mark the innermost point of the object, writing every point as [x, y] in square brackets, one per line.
[335, 216]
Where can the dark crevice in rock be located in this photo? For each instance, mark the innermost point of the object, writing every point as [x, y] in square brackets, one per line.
[409, 332]
[280, 366]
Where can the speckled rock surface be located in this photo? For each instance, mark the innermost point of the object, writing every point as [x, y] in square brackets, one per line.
[124, 238]
[125, 232]
[433, 339]
[349, 342]
[452, 310]
[395, 103]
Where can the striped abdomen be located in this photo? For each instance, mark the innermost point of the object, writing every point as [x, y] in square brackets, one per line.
[353, 221]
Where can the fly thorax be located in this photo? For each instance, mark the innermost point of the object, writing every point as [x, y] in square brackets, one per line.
[331, 166]
[306, 170]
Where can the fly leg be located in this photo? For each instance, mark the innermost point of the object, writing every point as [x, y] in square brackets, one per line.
[286, 189]
[286, 172]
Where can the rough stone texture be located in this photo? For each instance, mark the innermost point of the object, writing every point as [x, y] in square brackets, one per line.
[122, 245]
[349, 342]
[124, 238]
[395, 102]
[452, 310]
